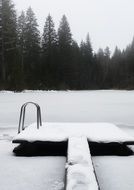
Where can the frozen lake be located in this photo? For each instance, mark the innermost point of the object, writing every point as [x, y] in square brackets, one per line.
[38, 173]
[81, 106]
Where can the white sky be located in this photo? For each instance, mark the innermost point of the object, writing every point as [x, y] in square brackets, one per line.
[109, 22]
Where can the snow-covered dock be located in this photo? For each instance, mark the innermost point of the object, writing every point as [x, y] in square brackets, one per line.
[73, 140]
[60, 132]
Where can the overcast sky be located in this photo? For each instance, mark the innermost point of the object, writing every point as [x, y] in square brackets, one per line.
[109, 22]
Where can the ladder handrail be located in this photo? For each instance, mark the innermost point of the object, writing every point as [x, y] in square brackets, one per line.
[22, 116]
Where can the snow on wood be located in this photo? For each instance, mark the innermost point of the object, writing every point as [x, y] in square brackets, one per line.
[58, 132]
[80, 171]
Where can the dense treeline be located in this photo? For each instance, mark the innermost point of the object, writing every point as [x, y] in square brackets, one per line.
[53, 59]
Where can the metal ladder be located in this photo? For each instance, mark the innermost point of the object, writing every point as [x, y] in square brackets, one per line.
[22, 116]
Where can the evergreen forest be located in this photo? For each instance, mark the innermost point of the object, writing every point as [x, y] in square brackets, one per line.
[53, 60]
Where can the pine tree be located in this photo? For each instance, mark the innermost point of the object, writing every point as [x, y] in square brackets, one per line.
[100, 59]
[1, 39]
[21, 38]
[89, 48]
[9, 41]
[49, 40]
[86, 63]
[107, 53]
[32, 48]
[115, 67]
[65, 48]
[75, 84]
[106, 67]
[64, 34]
[49, 57]
[86, 49]
[127, 66]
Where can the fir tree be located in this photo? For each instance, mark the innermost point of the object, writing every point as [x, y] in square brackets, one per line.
[49, 39]
[89, 47]
[21, 38]
[1, 40]
[9, 41]
[64, 33]
[75, 84]
[65, 48]
[86, 63]
[49, 57]
[32, 48]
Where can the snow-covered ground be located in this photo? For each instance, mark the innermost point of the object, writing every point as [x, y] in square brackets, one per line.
[37, 173]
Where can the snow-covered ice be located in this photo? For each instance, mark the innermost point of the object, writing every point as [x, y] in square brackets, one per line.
[81, 106]
[33, 173]
[114, 172]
